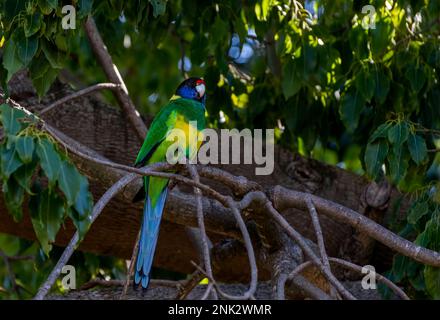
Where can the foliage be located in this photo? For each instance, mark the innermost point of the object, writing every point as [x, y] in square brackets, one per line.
[362, 98]
[29, 273]
[36, 172]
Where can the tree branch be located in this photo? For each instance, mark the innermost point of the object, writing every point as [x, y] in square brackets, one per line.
[80, 93]
[114, 76]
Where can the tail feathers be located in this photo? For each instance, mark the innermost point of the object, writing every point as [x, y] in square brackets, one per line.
[148, 239]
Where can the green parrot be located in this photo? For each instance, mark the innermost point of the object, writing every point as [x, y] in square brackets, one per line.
[187, 104]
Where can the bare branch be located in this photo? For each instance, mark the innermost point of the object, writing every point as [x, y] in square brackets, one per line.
[80, 93]
[319, 237]
[114, 76]
[131, 267]
[286, 198]
[203, 237]
[99, 206]
[307, 250]
[381, 278]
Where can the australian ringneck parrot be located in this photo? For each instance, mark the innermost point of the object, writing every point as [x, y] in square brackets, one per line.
[187, 104]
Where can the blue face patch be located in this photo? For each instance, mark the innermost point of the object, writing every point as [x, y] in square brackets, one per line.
[187, 92]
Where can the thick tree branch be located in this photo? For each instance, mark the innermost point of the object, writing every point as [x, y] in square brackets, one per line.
[114, 76]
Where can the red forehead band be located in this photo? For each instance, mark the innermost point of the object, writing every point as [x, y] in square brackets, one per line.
[200, 81]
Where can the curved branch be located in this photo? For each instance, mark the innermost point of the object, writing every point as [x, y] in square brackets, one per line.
[285, 198]
[97, 209]
[80, 93]
[203, 239]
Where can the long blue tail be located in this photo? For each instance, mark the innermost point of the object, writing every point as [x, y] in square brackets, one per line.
[148, 239]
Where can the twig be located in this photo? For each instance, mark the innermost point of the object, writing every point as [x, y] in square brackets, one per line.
[204, 239]
[381, 278]
[101, 282]
[309, 288]
[115, 282]
[286, 198]
[131, 267]
[186, 287]
[114, 76]
[319, 237]
[80, 93]
[307, 250]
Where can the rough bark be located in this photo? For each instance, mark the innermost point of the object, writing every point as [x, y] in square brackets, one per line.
[103, 129]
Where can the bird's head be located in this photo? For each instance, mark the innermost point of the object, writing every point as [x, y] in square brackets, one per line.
[192, 88]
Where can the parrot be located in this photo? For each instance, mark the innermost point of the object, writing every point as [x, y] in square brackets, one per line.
[185, 106]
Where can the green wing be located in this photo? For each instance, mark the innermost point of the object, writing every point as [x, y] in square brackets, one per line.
[165, 121]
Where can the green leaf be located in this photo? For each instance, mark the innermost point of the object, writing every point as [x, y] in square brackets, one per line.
[398, 164]
[55, 57]
[47, 6]
[38, 67]
[47, 215]
[380, 132]
[27, 47]
[381, 37]
[220, 30]
[199, 49]
[25, 148]
[358, 41]
[85, 8]
[84, 200]
[350, 110]
[375, 155]
[69, 182]
[24, 174]
[32, 24]
[159, 7]
[292, 81]
[430, 237]
[81, 224]
[400, 264]
[13, 7]
[365, 84]
[417, 148]
[14, 196]
[416, 77]
[9, 119]
[432, 280]
[49, 159]
[398, 133]
[9, 161]
[420, 209]
[42, 84]
[382, 87]
[11, 60]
